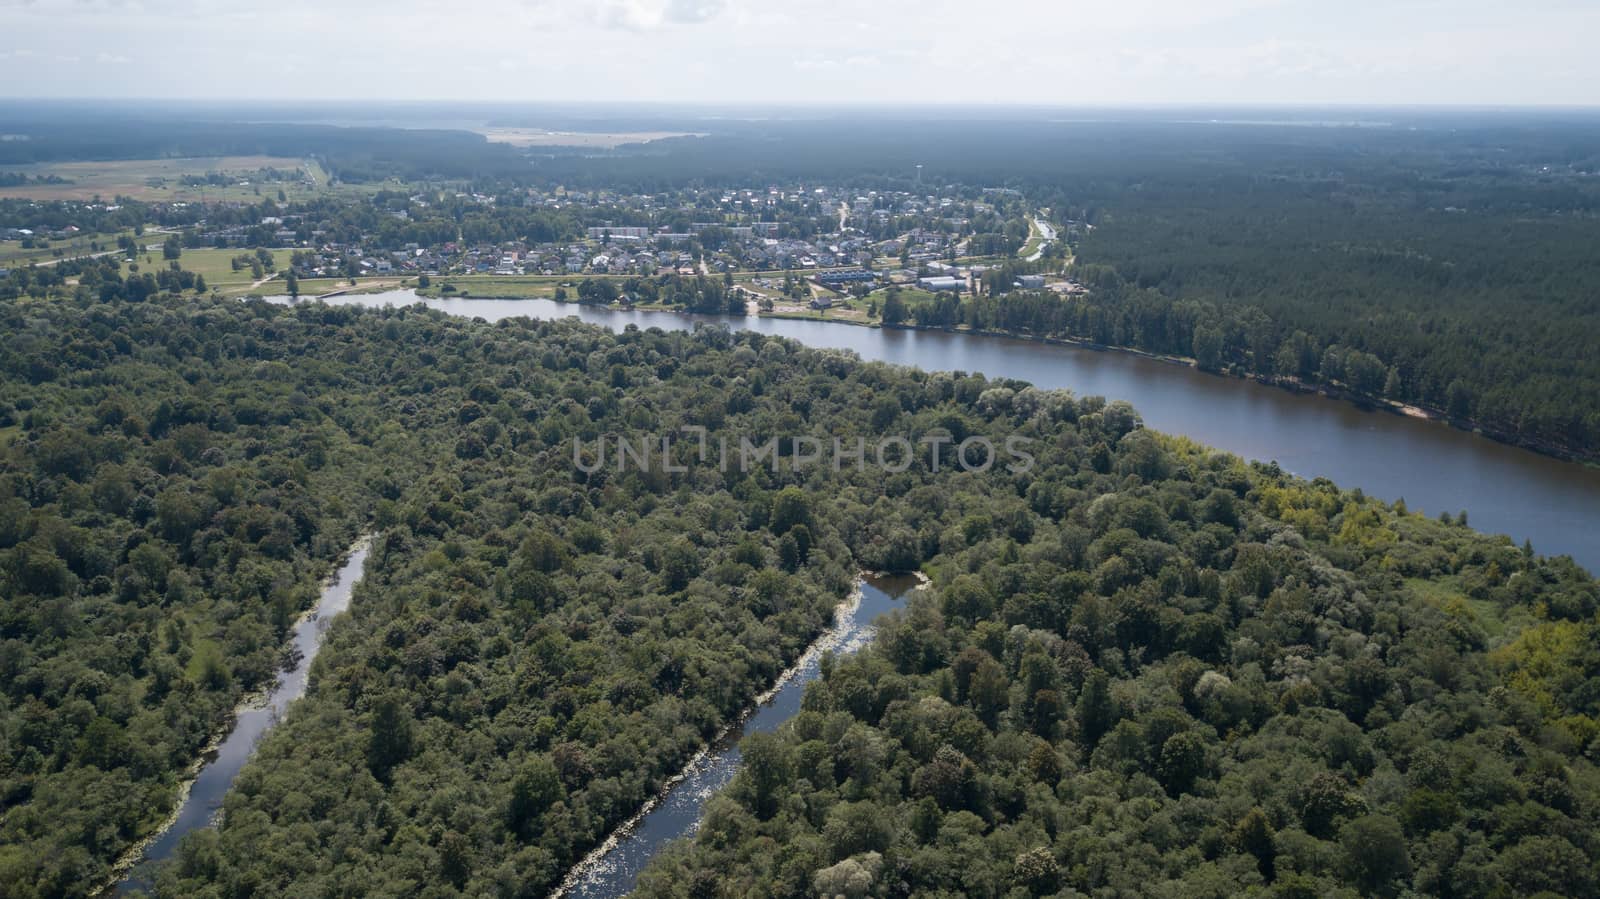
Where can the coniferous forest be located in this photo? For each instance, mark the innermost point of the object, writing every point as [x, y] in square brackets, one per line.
[1142, 667]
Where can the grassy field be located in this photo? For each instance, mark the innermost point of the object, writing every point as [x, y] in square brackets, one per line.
[214, 265]
[1035, 238]
[520, 286]
[912, 296]
[162, 179]
[508, 286]
[314, 287]
[12, 253]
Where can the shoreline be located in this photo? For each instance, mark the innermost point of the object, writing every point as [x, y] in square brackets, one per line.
[826, 641]
[134, 855]
[1331, 391]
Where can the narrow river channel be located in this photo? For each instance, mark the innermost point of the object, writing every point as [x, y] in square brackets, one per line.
[221, 766]
[1434, 467]
[613, 869]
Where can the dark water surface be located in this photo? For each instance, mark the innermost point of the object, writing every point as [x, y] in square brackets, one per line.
[221, 767]
[1432, 466]
[678, 813]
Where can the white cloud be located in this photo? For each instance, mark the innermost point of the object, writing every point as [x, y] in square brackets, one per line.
[693, 12]
[648, 15]
[1026, 51]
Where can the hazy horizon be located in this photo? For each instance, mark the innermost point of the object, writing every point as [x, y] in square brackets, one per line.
[1013, 53]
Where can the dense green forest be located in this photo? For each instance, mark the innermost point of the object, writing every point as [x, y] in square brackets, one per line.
[534, 650]
[1143, 666]
[1184, 677]
[160, 527]
[1469, 293]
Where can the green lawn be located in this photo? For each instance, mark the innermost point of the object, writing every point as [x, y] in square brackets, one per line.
[213, 264]
[911, 296]
[1035, 238]
[509, 286]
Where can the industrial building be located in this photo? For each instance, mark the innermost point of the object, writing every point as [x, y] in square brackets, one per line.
[836, 279]
[618, 233]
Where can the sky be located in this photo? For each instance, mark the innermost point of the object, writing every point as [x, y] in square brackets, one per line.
[1035, 52]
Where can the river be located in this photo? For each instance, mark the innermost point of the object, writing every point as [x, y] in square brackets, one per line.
[1431, 465]
[613, 870]
[222, 765]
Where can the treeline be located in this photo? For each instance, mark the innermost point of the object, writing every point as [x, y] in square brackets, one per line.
[22, 179]
[1089, 161]
[1483, 309]
[91, 278]
[713, 296]
[54, 215]
[85, 131]
[1520, 369]
[263, 174]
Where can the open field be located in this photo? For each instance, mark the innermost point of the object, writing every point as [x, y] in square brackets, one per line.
[12, 254]
[162, 179]
[212, 264]
[1035, 241]
[217, 267]
[315, 287]
[911, 295]
[845, 309]
[539, 137]
[507, 286]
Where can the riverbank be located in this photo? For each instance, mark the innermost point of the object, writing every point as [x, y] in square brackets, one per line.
[719, 755]
[359, 289]
[1337, 392]
[1293, 385]
[1507, 489]
[257, 701]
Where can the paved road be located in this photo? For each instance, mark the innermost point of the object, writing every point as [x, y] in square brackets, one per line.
[1047, 234]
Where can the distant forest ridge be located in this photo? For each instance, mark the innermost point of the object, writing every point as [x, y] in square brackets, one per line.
[1438, 258]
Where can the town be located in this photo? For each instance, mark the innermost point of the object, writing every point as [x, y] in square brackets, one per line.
[783, 250]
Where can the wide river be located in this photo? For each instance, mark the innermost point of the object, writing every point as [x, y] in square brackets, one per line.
[1433, 466]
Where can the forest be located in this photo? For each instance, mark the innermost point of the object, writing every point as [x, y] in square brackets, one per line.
[1185, 678]
[1142, 666]
[1469, 293]
[89, 130]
